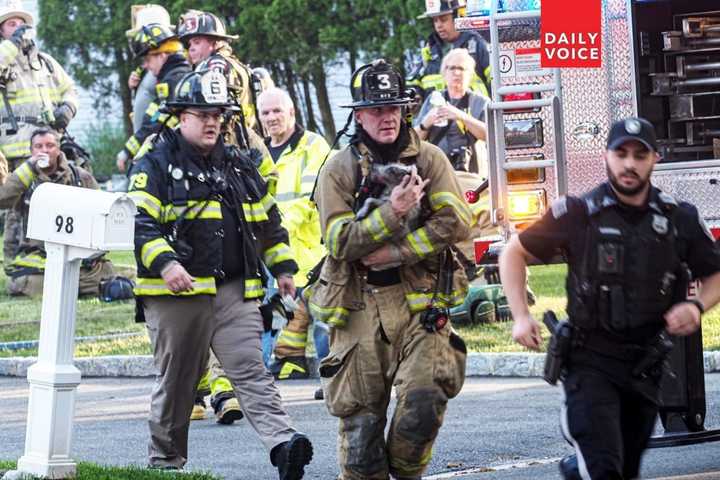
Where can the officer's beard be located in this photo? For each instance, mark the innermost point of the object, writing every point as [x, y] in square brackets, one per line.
[623, 190]
[385, 152]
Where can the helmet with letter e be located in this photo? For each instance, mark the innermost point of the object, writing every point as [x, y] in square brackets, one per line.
[204, 89]
[378, 84]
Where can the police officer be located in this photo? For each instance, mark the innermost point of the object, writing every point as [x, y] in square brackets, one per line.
[36, 92]
[386, 284]
[205, 220]
[444, 38]
[626, 243]
[162, 55]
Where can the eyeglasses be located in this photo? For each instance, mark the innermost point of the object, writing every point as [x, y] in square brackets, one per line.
[455, 68]
[207, 116]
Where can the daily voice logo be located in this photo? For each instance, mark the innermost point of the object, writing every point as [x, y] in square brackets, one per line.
[571, 36]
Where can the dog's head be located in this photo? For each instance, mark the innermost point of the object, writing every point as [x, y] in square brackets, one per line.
[390, 174]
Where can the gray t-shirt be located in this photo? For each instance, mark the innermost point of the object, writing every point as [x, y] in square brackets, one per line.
[144, 94]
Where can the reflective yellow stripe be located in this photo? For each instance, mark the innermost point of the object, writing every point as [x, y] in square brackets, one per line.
[335, 316]
[152, 109]
[267, 202]
[420, 242]
[204, 383]
[147, 202]
[32, 260]
[375, 224]
[441, 200]
[162, 90]
[266, 166]
[255, 212]
[156, 286]
[410, 469]
[254, 288]
[17, 149]
[434, 80]
[417, 302]
[333, 231]
[276, 254]
[153, 248]
[292, 339]
[478, 86]
[426, 54]
[25, 174]
[194, 210]
[132, 145]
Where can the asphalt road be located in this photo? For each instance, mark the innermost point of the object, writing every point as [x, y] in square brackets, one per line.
[496, 429]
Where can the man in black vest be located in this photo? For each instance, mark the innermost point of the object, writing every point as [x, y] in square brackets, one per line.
[627, 245]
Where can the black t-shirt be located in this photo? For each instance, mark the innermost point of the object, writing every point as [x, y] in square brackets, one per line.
[275, 152]
[563, 229]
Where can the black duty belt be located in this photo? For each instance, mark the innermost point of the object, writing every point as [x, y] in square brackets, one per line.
[596, 342]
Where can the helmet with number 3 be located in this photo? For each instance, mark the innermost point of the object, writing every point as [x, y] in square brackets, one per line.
[378, 84]
[201, 89]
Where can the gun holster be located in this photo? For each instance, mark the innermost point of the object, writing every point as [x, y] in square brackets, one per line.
[558, 349]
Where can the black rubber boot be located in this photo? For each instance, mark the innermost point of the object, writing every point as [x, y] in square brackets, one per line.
[291, 457]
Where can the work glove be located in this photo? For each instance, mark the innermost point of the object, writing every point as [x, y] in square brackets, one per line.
[121, 160]
[63, 114]
[24, 38]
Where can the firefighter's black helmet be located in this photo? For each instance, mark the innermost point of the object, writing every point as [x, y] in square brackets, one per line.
[378, 84]
[203, 89]
[149, 37]
[196, 22]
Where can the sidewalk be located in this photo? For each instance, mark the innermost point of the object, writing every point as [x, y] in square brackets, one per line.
[478, 365]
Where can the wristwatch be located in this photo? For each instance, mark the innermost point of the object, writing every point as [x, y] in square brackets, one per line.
[697, 303]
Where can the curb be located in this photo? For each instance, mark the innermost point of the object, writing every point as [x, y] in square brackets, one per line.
[478, 365]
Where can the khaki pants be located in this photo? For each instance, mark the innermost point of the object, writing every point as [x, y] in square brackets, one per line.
[292, 339]
[90, 278]
[182, 330]
[381, 347]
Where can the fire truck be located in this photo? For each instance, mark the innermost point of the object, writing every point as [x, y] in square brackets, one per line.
[547, 130]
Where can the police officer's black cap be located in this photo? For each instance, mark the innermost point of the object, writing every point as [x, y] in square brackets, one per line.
[632, 129]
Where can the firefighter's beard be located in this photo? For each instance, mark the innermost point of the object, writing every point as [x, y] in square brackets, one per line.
[622, 189]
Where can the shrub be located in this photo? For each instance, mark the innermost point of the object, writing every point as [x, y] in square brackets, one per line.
[103, 143]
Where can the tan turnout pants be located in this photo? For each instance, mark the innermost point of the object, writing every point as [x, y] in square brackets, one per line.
[90, 278]
[182, 330]
[381, 347]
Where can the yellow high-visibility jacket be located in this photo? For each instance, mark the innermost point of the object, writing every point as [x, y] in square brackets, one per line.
[297, 167]
[36, 85]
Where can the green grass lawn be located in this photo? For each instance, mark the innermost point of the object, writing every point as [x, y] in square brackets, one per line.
[91, 471]
[20, 319]
[548, 283]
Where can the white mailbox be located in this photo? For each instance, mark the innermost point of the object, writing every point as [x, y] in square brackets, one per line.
[75, 223]
[81, 217]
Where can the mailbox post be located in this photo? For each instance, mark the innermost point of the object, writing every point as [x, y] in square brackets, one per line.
[75, 223]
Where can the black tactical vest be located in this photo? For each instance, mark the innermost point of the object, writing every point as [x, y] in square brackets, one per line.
[626, 274]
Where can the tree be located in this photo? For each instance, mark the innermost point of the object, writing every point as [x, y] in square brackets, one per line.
[94, 50]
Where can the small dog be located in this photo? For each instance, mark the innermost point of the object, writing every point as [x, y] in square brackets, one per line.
[390, 175]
